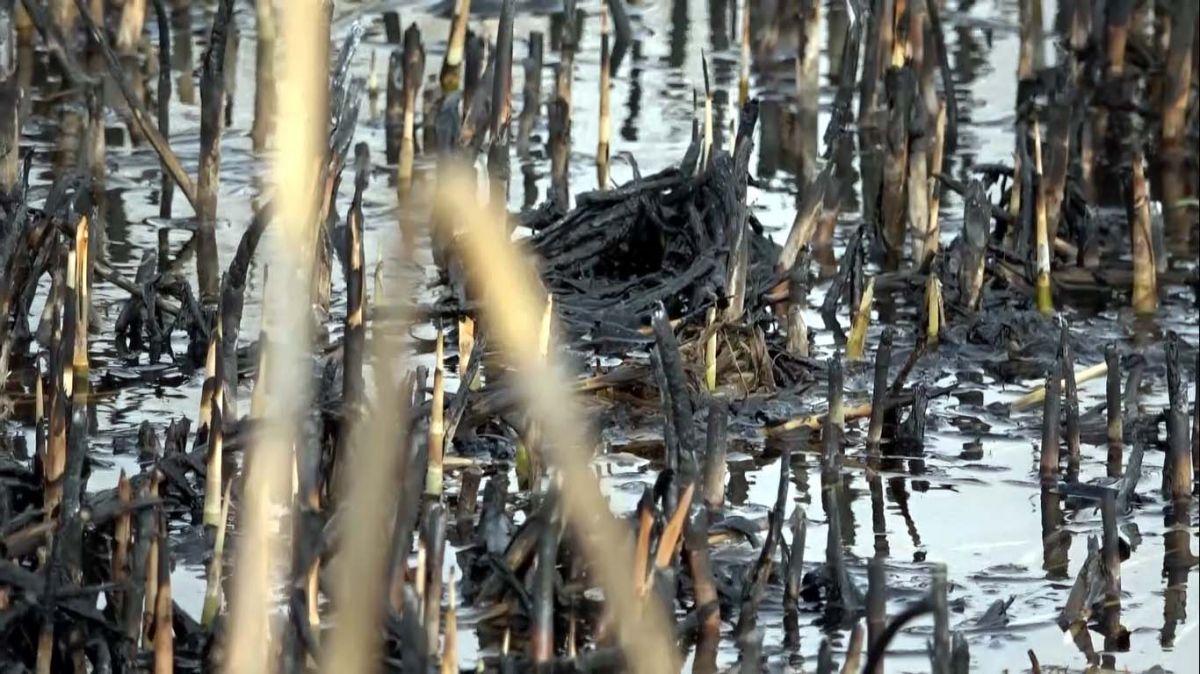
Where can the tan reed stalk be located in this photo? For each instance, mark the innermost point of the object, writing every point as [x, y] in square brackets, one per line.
[452, 65]
[164, 634]
[1045, 298]
[301, 131]
[129, 32]
[437, 423]
[933, 233]
[710, 351]
[450, 642]
[83, 305]
[511, 298]
[212, 591]
[605, 121]
[1038, 394]
[216, 434]
[856, 342]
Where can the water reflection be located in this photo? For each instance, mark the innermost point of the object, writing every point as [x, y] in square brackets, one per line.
[898, 492]
[1178, 561]
[1056, 541]
[633, 104]
[680, 27]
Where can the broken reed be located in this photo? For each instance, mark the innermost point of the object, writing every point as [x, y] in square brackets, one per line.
[1051, 406]
[856, 343]
[413, 70]
[452, 65]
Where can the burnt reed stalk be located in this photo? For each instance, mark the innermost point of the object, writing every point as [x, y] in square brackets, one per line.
[541, 645]
[1111, 559]
[501, 105]
[531, 91]
[393, 112]
[212, 106]
[1173, 173]
[1051, 407]
[1071, 401]
[413, 71]
[354, 342]
[900, 86]
[1177, 468]
[163, 93]
[883, 362]
[714, 456]
[975, 236]
[794, 572]
[137, 111]
[876, 607]
[704, 591]
[1115, 421]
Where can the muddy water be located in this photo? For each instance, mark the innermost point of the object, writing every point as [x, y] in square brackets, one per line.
[972, 501]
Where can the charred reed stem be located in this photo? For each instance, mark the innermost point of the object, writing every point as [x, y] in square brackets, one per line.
[1115, 425]
[413, 70]
[532, 90]
[714, 456]
[1050, 427]
[883, 362]
[1071, 396]
[212, 118]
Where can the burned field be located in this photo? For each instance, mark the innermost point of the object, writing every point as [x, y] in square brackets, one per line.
[695, 335]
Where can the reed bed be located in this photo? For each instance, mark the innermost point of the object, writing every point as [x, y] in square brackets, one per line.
[359, 513]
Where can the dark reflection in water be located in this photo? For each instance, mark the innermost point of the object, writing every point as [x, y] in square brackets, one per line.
[738, 488]
[898, 491]
[719, 24]
[1056, 541]
[633, 104]
[1177, 563]
[878, 517]
[679, 33]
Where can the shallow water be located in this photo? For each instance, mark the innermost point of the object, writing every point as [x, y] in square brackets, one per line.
[981, 516]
